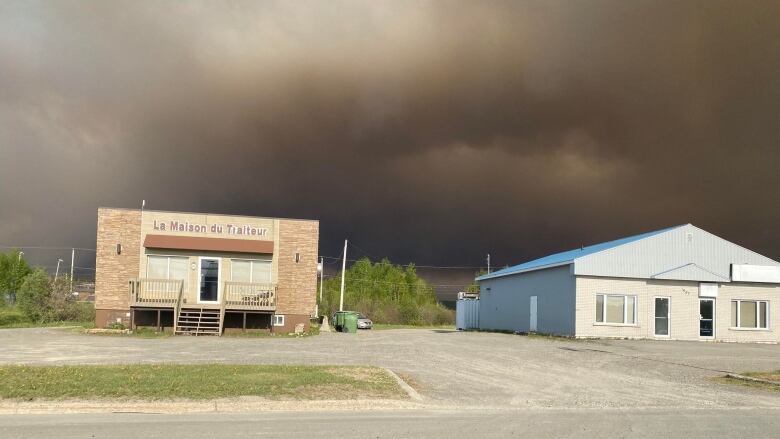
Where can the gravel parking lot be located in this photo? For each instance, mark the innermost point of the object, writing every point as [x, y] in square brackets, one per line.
[465, 369]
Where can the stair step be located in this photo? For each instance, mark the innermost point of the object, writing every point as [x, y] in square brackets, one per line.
[199, 321]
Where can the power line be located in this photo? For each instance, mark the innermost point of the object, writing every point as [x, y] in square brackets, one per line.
[47, 248]
[360, 249]
[363, 280]
[418, 266]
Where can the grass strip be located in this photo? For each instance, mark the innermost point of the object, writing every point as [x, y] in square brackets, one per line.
[12, 317]
[187, 381]
[759, 380]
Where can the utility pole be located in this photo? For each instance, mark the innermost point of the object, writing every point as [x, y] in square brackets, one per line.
[322, 275]
[72, 256]
[343, 270]
[488, 261]
[16, 275]
[56, 273]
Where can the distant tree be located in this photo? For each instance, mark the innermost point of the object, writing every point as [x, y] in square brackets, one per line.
[13, 269]
[387, 293]
[474, 287]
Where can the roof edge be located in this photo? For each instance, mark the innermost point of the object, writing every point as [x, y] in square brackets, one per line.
[130, 209]
[498, 274]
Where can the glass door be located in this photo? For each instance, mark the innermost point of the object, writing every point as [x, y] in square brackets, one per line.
[662, 316]
[707, 318]
[209, 280]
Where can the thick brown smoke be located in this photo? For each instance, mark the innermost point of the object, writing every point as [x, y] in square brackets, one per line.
[426, 131]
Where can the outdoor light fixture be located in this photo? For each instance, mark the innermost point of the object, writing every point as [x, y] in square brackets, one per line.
[118, 249]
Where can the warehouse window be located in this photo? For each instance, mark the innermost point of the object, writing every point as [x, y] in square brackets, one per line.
[168, 267]
[250, 270]
[615, 309]
[750, 314]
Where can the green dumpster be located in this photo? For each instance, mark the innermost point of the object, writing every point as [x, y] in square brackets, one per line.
[350, 322]
[338, 320]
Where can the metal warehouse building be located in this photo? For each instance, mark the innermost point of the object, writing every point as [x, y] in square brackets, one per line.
[679, 283]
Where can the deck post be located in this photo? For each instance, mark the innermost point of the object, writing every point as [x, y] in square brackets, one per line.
[244, 327]
[159, 326]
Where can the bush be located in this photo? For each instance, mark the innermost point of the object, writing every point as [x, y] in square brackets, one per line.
[33, 296]
[11, 316]
[42, 301]
[83, 312]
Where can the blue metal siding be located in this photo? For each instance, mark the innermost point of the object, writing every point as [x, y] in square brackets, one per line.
[504, 302]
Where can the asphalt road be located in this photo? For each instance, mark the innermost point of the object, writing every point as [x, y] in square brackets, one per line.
[473, 385]
[471, 370]
[535, 423]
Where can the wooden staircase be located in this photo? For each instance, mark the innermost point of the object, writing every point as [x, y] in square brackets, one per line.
[199, 321]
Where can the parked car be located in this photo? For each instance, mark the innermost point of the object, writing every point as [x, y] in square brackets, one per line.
[364, 322]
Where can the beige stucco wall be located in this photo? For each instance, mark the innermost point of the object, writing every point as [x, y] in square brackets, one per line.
[192, 290]
[732, 291]
[684, 309]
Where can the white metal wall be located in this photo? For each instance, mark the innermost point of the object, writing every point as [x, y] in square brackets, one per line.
[686, 253]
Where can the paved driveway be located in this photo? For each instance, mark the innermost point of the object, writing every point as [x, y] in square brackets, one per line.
[456, 368]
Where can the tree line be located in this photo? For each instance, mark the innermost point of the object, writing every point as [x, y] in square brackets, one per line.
[386, 293]
[39, 297]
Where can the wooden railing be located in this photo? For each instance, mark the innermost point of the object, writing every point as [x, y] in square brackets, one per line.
[155, 292]
[249, 296]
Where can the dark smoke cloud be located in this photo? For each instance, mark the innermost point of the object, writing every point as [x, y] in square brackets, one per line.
[426, 131]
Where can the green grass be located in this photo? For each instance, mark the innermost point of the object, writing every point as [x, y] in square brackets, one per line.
[11, 317]
[773, 376]
[385, 326]
[769, 376]
[206, 381]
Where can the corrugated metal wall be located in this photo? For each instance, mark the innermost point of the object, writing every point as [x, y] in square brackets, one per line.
[685, 253]
[505, 301]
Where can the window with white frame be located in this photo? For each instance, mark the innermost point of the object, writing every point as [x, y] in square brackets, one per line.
[750, 314]
[168, 267]
[278, 320]
[250, 270]
[618, 309]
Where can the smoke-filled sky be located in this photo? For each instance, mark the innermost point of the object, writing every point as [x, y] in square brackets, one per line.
[433, 132]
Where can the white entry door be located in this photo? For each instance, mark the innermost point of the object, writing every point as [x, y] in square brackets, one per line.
[209, 280]
[532, 323]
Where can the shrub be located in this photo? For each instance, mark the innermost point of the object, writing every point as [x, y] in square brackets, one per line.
[42, 301]
[83, 312]
[410, 313]
[10, 316]
[33, 296]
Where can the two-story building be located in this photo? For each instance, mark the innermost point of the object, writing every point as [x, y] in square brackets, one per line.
[198, 273]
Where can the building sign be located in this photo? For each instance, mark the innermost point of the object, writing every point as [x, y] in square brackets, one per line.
[216, 228]
[708, 290]
[755, 273]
